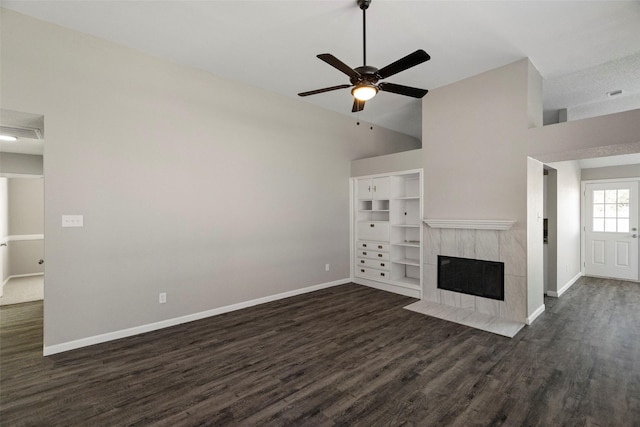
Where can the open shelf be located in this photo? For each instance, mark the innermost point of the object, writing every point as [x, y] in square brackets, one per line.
[409, 282]
[407, 261]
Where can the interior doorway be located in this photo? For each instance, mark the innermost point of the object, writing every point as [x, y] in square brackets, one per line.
[22, 218]
[21, 204]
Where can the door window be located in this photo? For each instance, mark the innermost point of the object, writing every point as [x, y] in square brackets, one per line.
[611, 210]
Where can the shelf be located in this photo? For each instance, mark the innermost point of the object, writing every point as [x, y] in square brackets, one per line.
[408, 282]
[407, 198]
[407, 261]
[407, 244]
[373, 210]
[474, 224]
[406, 225]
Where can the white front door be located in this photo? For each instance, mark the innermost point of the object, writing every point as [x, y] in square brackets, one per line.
[611, 230]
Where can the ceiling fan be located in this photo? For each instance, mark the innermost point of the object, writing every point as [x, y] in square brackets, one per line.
[365, 79]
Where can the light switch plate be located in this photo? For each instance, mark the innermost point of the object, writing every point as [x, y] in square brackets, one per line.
[72, 220]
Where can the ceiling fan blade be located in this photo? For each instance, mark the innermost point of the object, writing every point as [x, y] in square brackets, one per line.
[411, 60]
[326, 89]
[335, 62]
[402, 90]
[357, 105]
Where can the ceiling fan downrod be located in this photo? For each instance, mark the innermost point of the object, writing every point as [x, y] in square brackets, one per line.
[364, 5]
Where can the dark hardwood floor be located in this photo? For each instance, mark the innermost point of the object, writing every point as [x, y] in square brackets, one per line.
[348, 355]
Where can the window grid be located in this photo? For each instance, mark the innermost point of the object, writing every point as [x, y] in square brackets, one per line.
[611, 211]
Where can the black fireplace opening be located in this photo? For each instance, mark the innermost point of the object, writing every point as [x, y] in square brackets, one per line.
[471, 276]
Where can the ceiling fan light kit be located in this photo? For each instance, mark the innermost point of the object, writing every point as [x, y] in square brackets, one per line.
[365, 79]
[364, 92]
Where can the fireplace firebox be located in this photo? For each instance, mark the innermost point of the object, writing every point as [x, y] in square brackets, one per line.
[471, 276]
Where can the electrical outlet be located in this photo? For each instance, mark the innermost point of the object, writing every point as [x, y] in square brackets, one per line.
[327, 267]
[162, 298]
[72, 220]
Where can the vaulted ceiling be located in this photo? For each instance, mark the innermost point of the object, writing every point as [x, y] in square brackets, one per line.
[583, 49]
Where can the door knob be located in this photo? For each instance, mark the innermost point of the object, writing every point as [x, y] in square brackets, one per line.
[634, 236]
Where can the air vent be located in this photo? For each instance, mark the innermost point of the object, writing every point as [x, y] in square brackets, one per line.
[21, 132]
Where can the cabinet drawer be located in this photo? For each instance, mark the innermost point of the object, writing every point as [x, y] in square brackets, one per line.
[380, 256]
[376, 246]
[372, 273]
[373, 263]
[372, 230]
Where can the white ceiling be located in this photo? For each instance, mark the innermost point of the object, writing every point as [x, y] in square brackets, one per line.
[582, 48]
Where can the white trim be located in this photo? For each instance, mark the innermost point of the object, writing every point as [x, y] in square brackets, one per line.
[110, 336]
[23, 237]
[390, 173]
[352, 221]
[475, 224]
[388, 287]
[15, 276]
[535, 314]
[20, 175]
[566, 287]
[595, 181]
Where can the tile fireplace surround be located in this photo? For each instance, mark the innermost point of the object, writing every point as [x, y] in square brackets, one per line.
[484, 240]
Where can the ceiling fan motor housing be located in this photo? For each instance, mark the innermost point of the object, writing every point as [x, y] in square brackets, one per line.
[368, 75]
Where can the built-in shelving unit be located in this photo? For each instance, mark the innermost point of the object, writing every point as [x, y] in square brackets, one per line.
[388, 232]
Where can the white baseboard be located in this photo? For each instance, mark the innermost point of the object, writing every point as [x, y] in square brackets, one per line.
[15, 276]
[565, 288]
[110, 336]
[23, 237]
[535, 315]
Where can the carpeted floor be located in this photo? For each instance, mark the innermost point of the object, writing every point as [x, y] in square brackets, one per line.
[23, 289]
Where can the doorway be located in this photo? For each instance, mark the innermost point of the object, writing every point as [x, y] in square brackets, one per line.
[22, 216]
[610, 229]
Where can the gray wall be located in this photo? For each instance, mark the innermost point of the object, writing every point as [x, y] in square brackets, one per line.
[564, 224]
[613, 134]
[13, 163]
[406, 160]
[26, 218]
[26, 206]
[611, 172]
[4, 231]
[552, 216]
[568, 222]
[474, 147]
[186, 187]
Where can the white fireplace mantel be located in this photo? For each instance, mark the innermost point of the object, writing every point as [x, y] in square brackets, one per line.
[473, 224]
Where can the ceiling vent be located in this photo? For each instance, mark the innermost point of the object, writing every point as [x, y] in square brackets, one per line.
[21, 132]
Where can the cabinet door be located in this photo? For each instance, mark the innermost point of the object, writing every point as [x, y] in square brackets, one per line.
[381, 187]
[365, 189]
[371, 230]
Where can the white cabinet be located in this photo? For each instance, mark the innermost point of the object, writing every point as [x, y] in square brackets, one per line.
[373, 230]
[374, 188]
[388, 233]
